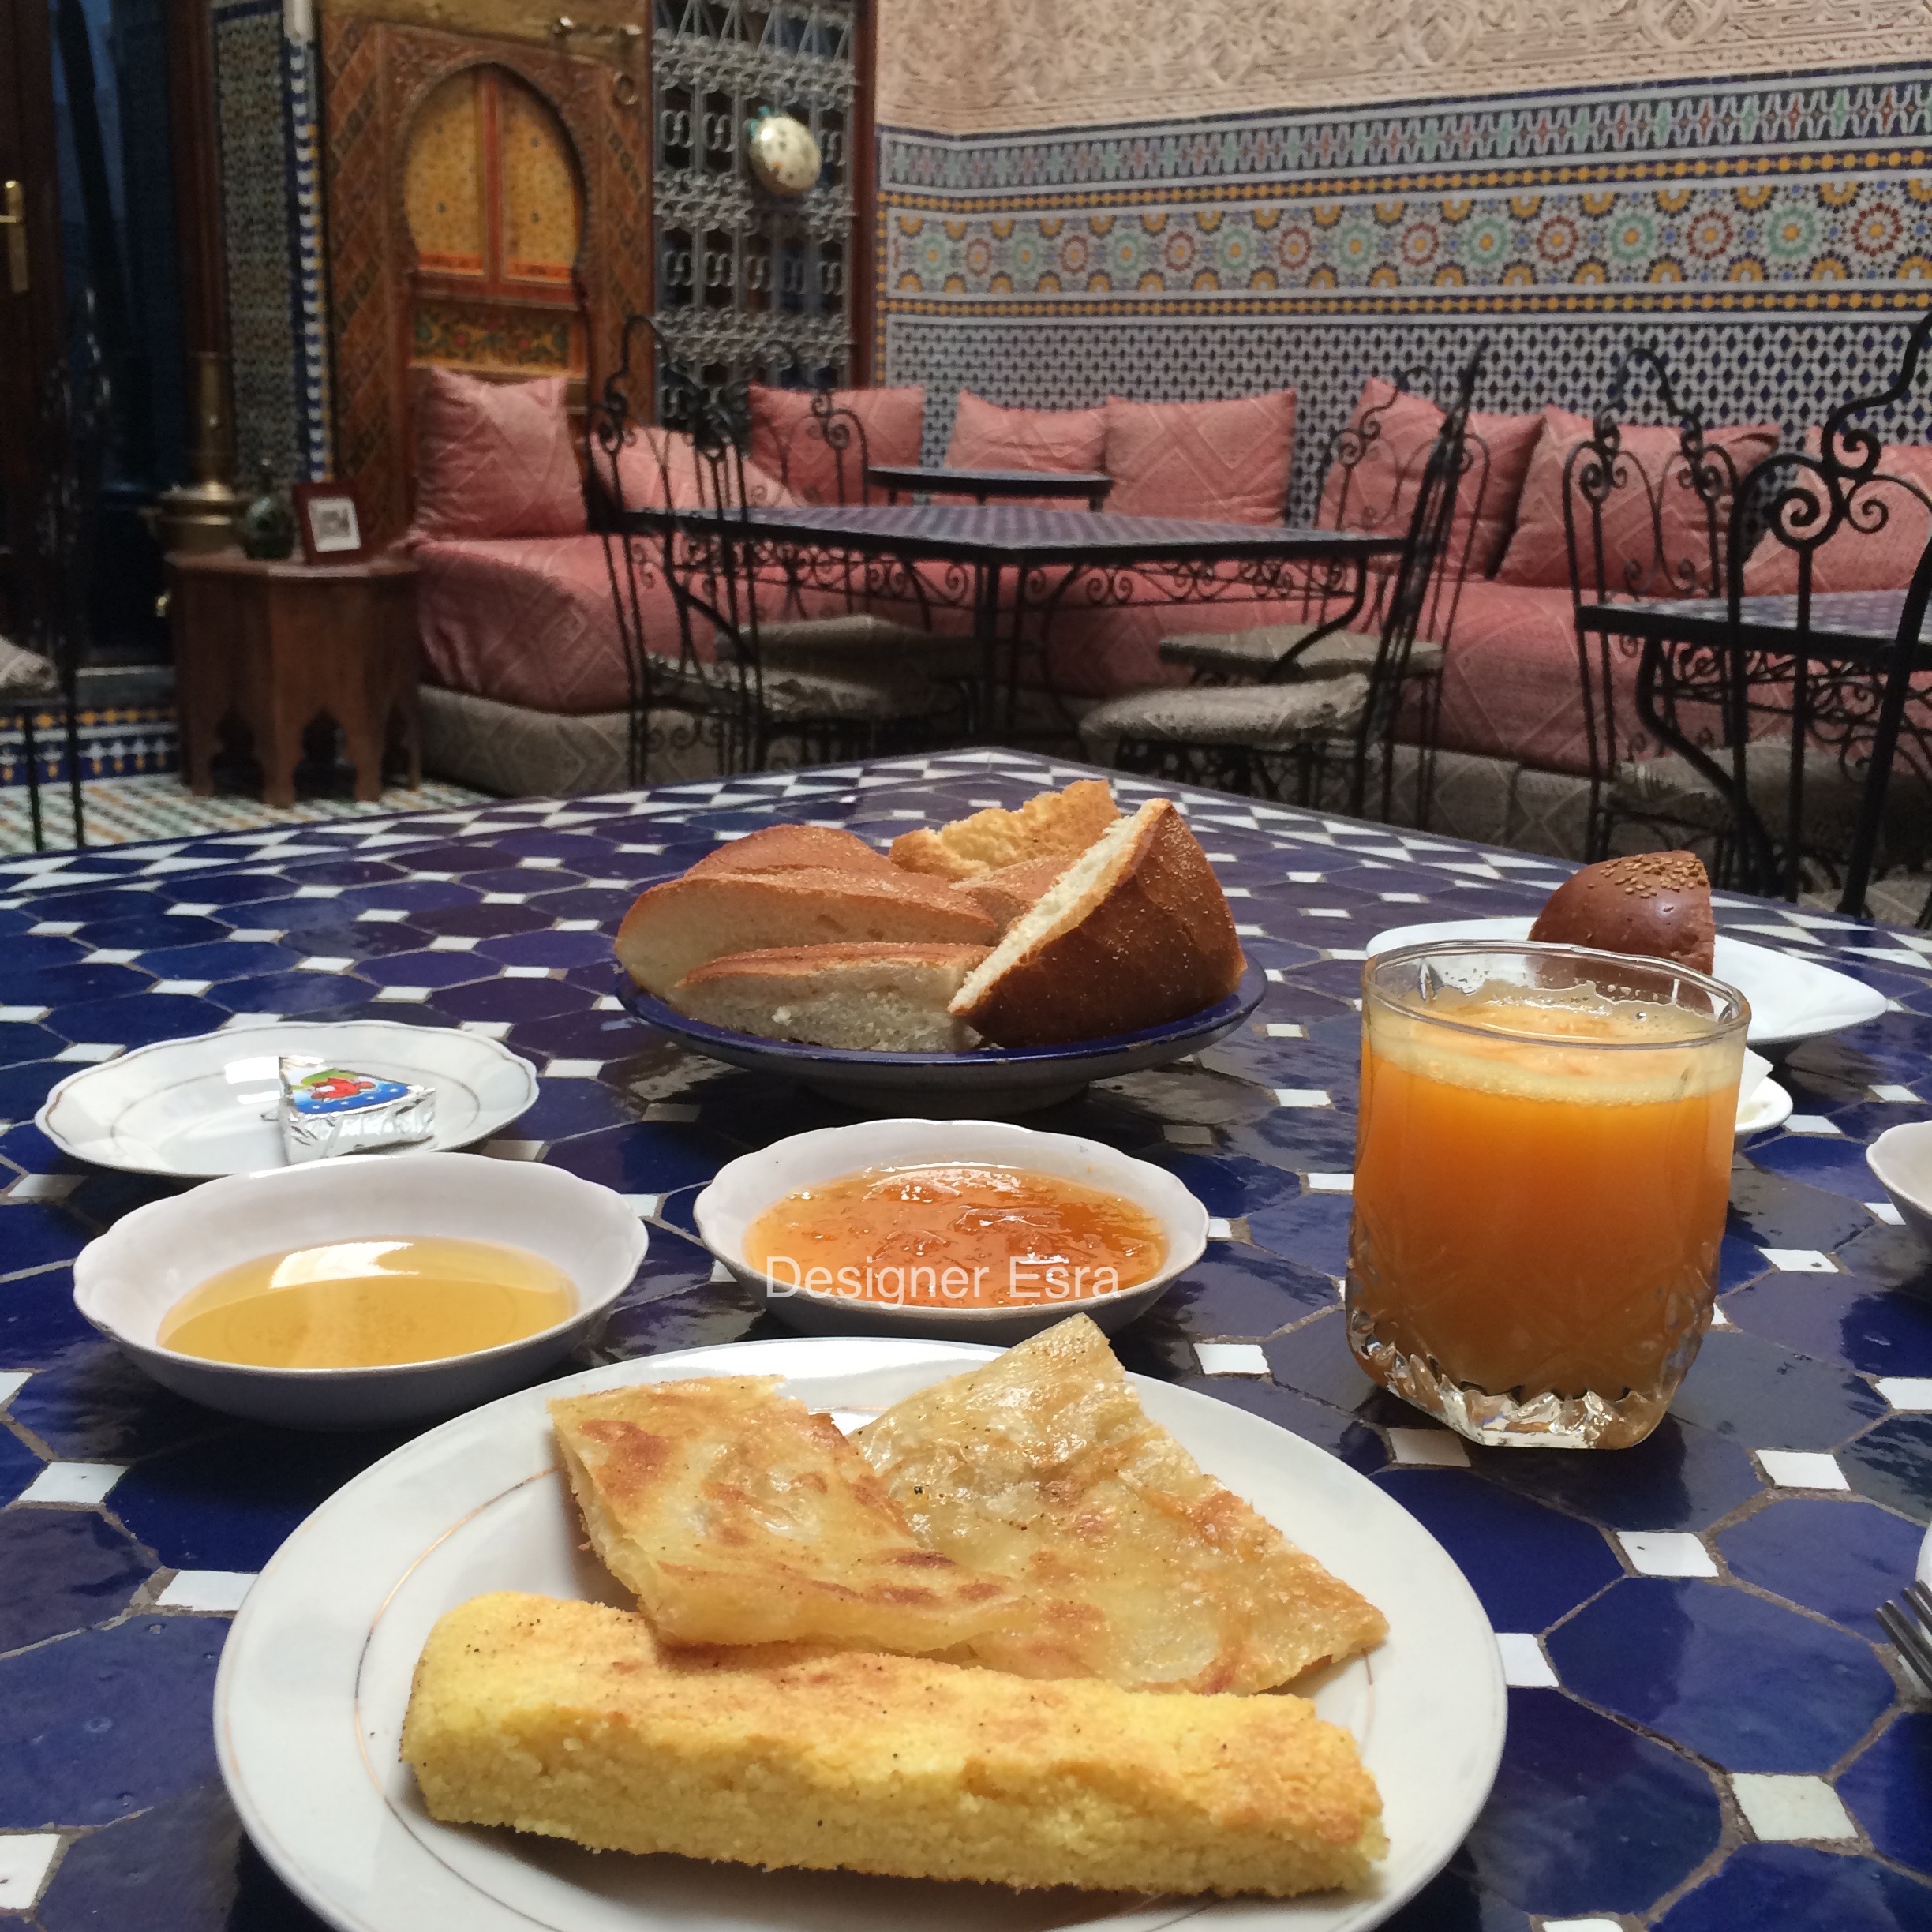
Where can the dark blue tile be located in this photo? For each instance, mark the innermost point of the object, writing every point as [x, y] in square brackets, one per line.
[613, 1038]
[644, 1158]
[1678, 1477]
[233, 959]
[89, 903]
[1226, 1184]
[1356, 1445]
[344, 871]
[1841, 1558]
[1892, 1465]
[553, 949]
[1528, 1564]
[415, 896]
[606, 904]
[19, 1465]
[501, 877]
[33, 1234]
[475, 920]
[37, 1317]
[138, 1019]
[54, 985]
[65, 1570]
[513, 1000]
[1307, 1139]
[1775, 1211]
[1892, 1257]
[1766, 1397]
[427, 969]
[294, 994]
[1313, 1229]
[1238, 1291]
[19, 1042]
[28, 952]
[1316, 1359]
[564, 1107]
[107, 1723]
[1878, 1331]
[1889, 1790]
[88, 1403]
[1824, 1160]
[240, 896]
[716, 1312]
[23, 1088]
[1753, 1686]
[226, 1502]
[1782, 1888]
[183, 1865]
[1739, 1261]
[1586, 1817]
[579, 849]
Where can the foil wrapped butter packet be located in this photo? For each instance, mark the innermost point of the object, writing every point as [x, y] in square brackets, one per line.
[327, 1110]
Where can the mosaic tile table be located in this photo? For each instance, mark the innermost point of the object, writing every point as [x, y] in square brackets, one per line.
[1705, 1729]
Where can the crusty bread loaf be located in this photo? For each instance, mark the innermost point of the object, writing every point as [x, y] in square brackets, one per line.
[1013, 890]
[1655, 905]
[680, 924]
[1135, 932]
[875, 996]
[785, 848]
[570, 1720]
[1063, 822]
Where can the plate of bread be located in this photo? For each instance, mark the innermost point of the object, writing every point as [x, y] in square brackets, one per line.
[1658, 905]
[859, 1633]
[996, 964]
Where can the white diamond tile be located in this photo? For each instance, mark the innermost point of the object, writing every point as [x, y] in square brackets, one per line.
[505, 898]
[643, 1206]
[92, 1051]
[193, 987]
[80, 1485]
[382, 916]
[1525, 1667]
[1798, 1468]
[1302, 1097]
[189, 912]
[26, 1858]
[1285, 1029]
[1907, 1392]
[235, 1021]
[452, 942]
[212, 1590]
[257, 935]
[402, 995]
[1331, 1183]
[527, 972]
[575, 925]
[1799, 1260]
[1885, 1212]
[318, 892]
[323, 963]
[1780, 1807]
[1666, 1553]
[1891, 1090]
[573, 1070]
[1230, 1358]
[111, 956]
[43, 1187]
[1422, 1448]
[22, 1015]
[490, 1029]
[12, 1382]
[1812, 1123]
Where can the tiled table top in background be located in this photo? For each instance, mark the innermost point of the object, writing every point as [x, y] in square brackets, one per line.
[1705, 1731]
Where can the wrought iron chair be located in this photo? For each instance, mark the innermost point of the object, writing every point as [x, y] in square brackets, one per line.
[698, 540]
[1282, 723]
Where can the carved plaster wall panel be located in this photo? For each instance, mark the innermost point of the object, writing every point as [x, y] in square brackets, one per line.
[1014, 64]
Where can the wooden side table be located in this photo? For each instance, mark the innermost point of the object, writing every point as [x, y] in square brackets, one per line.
[274, 646]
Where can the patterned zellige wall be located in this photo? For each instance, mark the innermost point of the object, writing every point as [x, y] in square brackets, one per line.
[1775, 235]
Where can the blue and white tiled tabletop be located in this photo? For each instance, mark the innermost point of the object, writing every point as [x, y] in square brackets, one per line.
[1706, 1730]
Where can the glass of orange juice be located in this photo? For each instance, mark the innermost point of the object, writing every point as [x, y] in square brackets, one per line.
[1542, 1166]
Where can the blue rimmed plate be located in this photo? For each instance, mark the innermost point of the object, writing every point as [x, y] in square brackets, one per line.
[990, 1080]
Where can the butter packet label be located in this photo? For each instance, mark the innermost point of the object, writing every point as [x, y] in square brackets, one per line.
[325, 1110]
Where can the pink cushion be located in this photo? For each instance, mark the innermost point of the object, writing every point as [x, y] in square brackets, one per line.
[1670, 556]
[1227, 462]
[656, 458]
[493, 459]
[784, 445]
[1861, 558]
[987, 435]
[1379, 493]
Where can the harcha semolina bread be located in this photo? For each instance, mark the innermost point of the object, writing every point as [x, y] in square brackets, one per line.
[786, 847]
[873, 996]
[682, 923]
[1135, 932]
[1062, 823]
[1014, 889]
[1655, 904]
[570, 1720]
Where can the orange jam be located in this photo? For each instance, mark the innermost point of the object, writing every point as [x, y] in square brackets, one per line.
[961, 1236]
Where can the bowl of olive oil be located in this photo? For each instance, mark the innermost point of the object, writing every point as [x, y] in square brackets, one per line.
[351, 1293]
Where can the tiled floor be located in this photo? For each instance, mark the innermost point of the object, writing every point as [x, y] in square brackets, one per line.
[118, 810]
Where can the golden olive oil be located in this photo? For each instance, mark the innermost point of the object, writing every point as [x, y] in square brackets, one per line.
[364, 1304]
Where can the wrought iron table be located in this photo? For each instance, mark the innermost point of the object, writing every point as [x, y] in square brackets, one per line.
[984, 485]
[1706, 1728]
[1851, 633]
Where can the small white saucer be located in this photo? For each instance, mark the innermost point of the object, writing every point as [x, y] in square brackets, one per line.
[1762, 1103]
[195, 1108]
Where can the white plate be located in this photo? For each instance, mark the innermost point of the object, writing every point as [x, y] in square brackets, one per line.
[195, 1107]
[1791, 999]
[1762, 1103]
[314, 1678]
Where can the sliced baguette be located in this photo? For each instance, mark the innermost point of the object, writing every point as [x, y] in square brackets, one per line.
[685, 922]
[1062, 822]
[1135, 932]
[1013, 890]
[875, 996]
[786, 847]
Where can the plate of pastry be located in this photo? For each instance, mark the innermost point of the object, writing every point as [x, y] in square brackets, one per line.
[847, 1634]
[996, 965]
[1658, 904]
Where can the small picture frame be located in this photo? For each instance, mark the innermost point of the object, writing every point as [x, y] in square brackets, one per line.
[329, 516]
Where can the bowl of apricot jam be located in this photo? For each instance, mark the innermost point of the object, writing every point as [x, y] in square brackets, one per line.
[964, 1230]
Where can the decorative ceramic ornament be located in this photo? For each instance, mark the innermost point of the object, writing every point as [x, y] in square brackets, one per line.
[783, 153]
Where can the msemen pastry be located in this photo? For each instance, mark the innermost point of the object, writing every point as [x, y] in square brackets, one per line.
[1049, 825]
[571, 1720]
[874, 996]
[706, 916]
[1655, 904]
[1043, 1467]
[1135, 932]
[736, 1515]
